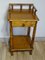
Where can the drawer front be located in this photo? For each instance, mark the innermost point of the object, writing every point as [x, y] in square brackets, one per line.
[23, 23]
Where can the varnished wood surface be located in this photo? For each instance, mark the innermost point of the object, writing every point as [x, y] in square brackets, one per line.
[18, 14]
[21, 43]
[23, 15]
[23, 23]
[38, 53]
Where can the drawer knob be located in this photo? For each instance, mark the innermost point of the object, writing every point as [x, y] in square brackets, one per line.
[23, 25]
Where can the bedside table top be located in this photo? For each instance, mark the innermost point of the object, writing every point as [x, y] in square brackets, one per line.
[22, 14]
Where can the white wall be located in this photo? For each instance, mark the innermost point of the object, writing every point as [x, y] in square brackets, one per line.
[40, 5]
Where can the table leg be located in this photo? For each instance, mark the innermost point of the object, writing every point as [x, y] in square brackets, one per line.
[30, 52]
[11, 37]
[33, 36]
[28, 33]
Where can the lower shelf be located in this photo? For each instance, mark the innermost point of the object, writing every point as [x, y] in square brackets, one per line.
[21, 43]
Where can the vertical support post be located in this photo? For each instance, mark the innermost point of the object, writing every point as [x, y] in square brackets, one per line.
[11, 34]
[33, 36]
[29, 7]
[12, 7]
[21, 7]
[28, 33]
[35, 12]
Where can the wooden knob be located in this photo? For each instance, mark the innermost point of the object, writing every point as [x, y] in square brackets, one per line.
[23, 25]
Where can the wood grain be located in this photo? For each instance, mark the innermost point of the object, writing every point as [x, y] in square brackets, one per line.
[25, 23]
[21, 43]
[24, 14]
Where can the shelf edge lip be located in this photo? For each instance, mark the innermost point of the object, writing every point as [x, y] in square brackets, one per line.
[21, 49]
[23, 20]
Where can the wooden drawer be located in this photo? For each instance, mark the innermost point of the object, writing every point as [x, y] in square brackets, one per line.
[23, 23]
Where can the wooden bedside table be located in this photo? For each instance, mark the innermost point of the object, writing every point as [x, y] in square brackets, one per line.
[22, 18]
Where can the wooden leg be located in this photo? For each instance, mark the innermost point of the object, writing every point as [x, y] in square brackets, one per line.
[11, 53]
[28, 33]
[33, 36]
[11, 36]
[30, 52]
